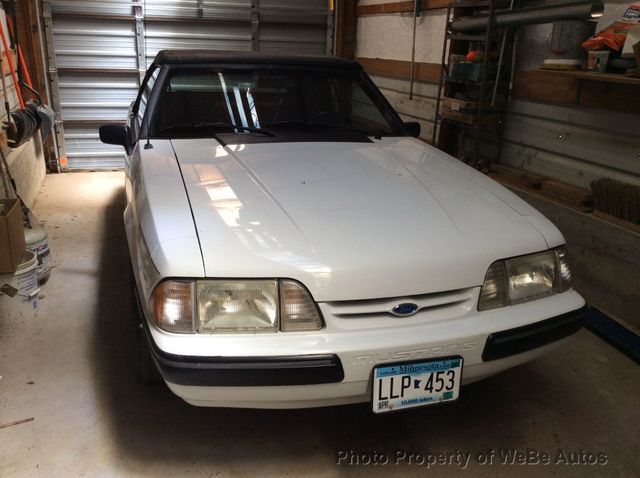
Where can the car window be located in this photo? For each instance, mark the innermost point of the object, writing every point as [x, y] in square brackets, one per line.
[287, 99]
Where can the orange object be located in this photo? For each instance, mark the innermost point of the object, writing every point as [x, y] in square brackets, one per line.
[5, 44]
[612, 37]
[23, 64]
[475, 55]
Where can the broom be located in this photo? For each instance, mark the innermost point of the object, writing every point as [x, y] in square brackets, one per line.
[617, 199]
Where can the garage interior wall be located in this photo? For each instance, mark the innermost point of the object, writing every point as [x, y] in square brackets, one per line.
[99, 50]
[384, 44]
[575, 144]
[26, 163]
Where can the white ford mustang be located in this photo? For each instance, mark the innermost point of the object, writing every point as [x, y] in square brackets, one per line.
[294, 245]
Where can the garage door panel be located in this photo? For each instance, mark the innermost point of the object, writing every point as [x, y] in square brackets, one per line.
[96, 111]
[200, 36]
[85, 151]
[294, 38]
[96, 96]
[238, 10]
[96, 45]
[91, 7]
[295, 48]
[101, 83]
[81, 43]
[293, 11]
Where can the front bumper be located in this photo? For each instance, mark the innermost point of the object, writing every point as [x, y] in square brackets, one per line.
[334, 367]
[521, 339]
[247, 371]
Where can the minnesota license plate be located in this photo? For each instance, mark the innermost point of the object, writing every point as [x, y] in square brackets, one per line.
[413, 384]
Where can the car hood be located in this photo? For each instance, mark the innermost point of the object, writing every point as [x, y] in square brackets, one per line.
[393, 217]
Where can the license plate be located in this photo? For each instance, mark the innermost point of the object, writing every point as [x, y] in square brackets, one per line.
[414, 384]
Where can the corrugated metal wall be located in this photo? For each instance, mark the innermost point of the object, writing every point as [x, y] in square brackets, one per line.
[99, 49]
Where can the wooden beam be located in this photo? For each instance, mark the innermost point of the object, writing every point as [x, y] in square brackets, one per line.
[26, 24]
[597, 77]
[400, 7]
[548, 86]
[540, 85]
[346, 28]
[426, 72]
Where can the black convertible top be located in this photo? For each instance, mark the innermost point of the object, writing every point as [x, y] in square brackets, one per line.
[185, 57]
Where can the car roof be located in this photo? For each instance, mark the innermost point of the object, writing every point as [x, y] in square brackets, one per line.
[185, 57]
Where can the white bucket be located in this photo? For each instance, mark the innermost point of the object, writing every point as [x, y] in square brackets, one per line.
[23, 284]
[36, 240]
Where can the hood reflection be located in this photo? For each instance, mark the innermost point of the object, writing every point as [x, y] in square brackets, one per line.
[253, 233]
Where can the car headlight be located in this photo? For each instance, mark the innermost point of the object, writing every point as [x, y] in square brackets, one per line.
[525, 278]
[235, 306]
[173, 306]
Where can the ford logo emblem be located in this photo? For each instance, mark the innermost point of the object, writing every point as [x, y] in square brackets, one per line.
[404, 310]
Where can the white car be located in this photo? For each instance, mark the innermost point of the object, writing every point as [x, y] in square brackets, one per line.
[294, 245]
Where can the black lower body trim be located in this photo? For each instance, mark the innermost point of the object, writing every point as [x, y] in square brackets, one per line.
[521, 339]
[247, 371]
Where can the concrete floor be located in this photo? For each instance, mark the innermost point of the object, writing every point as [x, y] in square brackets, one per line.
[69, 367]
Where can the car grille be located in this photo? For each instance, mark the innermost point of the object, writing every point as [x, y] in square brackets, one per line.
[446, 304]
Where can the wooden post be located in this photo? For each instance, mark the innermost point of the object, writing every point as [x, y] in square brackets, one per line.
[26, 22]
[346, 25]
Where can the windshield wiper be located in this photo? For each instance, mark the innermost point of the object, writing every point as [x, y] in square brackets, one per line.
[225, 126]
[334, 127]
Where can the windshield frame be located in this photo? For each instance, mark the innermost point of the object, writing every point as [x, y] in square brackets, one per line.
[395, 122]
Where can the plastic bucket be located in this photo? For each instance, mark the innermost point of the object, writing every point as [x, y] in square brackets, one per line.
[36, 240]
[597, 61]
[23, 283]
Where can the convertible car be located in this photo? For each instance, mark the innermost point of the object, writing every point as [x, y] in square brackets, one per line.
[293, 244]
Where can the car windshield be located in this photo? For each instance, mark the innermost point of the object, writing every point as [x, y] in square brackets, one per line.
[199, 102]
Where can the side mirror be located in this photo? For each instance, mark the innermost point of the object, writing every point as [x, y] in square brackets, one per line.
[412, 128]
[116, 134]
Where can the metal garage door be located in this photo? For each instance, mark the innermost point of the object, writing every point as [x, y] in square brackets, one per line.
[99, 50]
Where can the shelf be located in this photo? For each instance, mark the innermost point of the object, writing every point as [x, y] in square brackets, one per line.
[468, 82]
[592, 76]
[465, 37]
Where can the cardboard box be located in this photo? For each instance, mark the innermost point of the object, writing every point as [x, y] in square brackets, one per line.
[460, 106]
[12, 244]
[465, 118]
